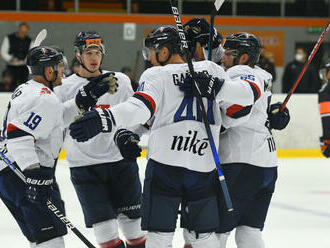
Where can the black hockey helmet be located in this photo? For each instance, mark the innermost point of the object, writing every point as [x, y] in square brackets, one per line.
[85, 39]
[162, 36]
[42, 56]
[244, 43]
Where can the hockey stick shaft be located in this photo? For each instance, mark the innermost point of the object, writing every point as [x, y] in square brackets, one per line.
[184, 43]
[217, 5]
[310, 57]
[49, 204]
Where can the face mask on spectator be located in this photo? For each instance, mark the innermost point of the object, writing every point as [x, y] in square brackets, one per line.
[299, 57]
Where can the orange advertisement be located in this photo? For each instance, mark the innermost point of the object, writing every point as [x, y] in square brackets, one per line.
[272, 41]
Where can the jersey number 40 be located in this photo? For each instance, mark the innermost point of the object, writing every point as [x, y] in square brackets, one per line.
[190, 109]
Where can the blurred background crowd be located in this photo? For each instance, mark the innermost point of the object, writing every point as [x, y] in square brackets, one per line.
[282, 56]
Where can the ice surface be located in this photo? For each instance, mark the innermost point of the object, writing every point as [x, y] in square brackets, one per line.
[299, 215]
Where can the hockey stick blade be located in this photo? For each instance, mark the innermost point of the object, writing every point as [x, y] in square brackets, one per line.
[184, 44]
[214, 12]
[49, 204]
[218, 4]
[40, 37]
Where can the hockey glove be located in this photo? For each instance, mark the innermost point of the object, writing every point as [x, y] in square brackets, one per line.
[198, 29]
[278, 120]
[127, 142]
[91, 123]
[88, 95]
[39, 184]
[325, 146]
[209, 86]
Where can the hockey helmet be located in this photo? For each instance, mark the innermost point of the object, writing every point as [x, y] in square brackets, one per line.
[85, 39]
[162, 36]
[42, 56]
[244, 43]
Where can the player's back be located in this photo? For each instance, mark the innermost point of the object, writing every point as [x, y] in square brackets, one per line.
[178, 135]
[252, 141]
[36, 110]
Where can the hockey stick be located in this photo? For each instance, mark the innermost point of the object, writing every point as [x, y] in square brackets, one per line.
[184, 43]
[217, 6]
[136, 64]
[310, 57]
[49, 204]
[40, 37]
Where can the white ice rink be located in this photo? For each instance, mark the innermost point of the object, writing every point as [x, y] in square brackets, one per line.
[299, 216]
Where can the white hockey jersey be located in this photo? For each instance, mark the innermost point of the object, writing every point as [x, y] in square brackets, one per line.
[101, 148]
[251, 142]
[34, 125]
[178, 135]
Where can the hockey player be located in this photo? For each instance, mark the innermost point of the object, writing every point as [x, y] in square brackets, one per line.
[107, 185]
[248, 150]
[33, 126]
[324, 102]
[180, 167]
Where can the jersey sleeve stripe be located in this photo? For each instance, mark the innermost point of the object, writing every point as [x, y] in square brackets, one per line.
[237, 111]
[147, 100]
[324, 107]
[15, 132]
[255, 89]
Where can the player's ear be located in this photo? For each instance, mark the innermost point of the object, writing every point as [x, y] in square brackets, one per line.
[243, 59]
[78, 56]
[48, 72]
[164, 51]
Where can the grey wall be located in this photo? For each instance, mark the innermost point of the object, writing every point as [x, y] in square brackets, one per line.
[123, 53]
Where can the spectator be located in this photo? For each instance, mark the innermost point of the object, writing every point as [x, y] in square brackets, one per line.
[6, 83]
[128, 72]
[266, 64]
[309, 83]
[14, 49]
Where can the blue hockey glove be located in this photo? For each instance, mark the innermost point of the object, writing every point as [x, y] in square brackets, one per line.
[325, 146]
[92, 123]
[198, 29]
[127, 142]
[88, 95]
[278, 120]
[209, 86]
[39, 184]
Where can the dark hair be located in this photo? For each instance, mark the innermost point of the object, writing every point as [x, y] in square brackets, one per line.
[301, 48]
[24, 24]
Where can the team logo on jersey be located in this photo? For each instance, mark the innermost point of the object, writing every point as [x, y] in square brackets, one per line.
[248, 77]
[190, 143]
[45, 91]
[102, 106]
